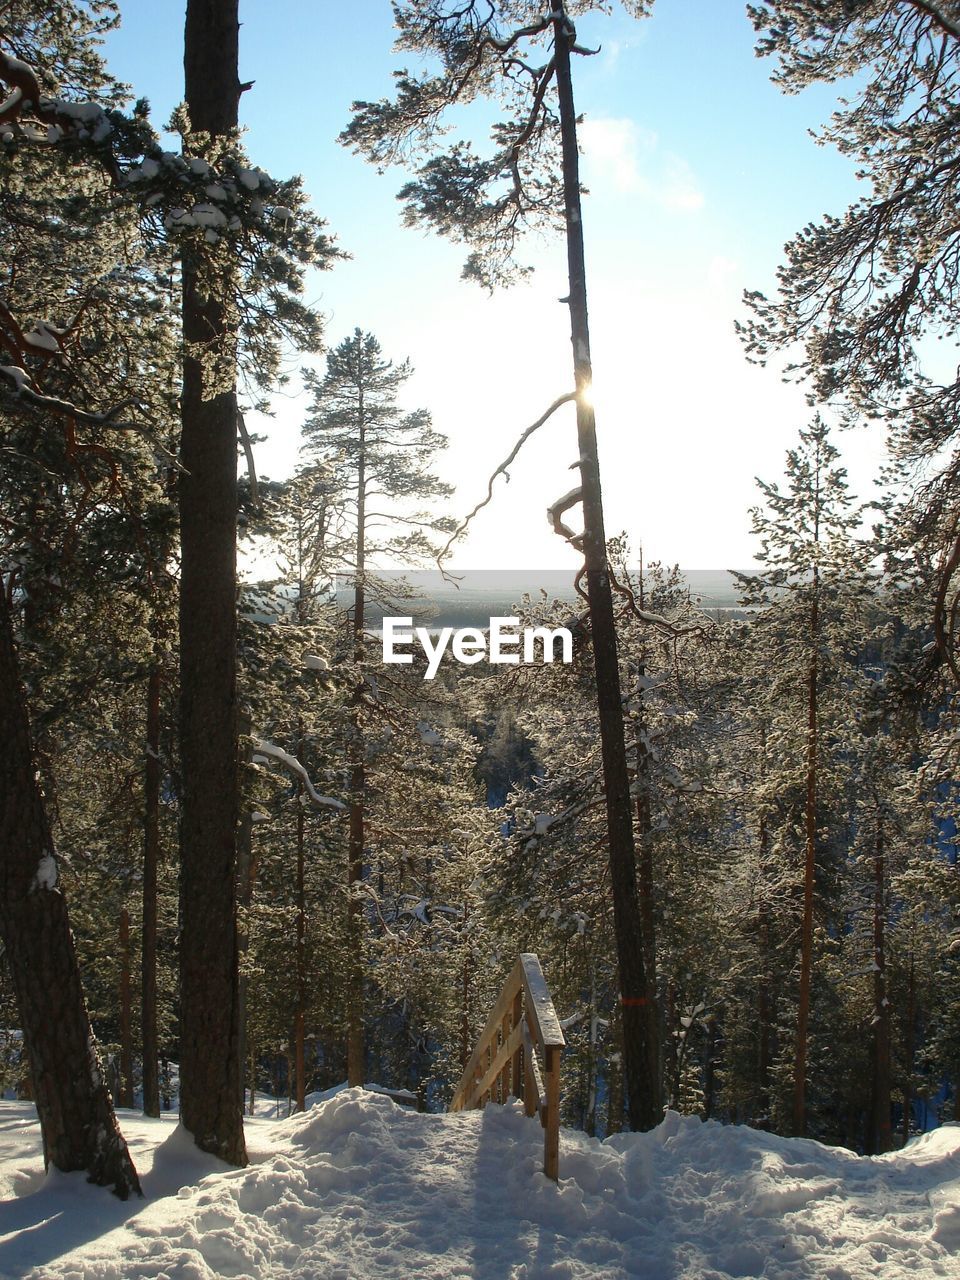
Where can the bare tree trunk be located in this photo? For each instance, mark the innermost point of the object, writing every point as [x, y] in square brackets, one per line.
[651, 1010]
[300, 1014]
[764, 990]
[615, 1082]
[465, 1042]
[126, 1033]
[77, 1120]
[910, 1049]
[356, 1064]
[809, 876]
[881, 1121]
[210, 1104]
[246, 880]
[151, 862]
[356, 1067]
[640, 1031]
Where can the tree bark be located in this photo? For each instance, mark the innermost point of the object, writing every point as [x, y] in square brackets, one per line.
[640, 1032]
[210, 1105]
[151, 861]
[882, 1124]
[765, 1002]
[125, 1098]
[356, 1065]
[651, 1010]
[299, 1023]
[77, 1120]
[809, 873]
[909, 1055]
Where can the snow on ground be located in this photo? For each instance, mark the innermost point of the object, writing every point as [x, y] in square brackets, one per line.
[358, 1187]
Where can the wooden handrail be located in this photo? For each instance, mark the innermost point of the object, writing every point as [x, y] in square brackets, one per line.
[519, 1053]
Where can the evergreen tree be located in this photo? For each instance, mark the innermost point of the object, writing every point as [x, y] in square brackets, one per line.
[74, 1104]
[380, 457]
[810, 591]
[859, 292]
[532, 177]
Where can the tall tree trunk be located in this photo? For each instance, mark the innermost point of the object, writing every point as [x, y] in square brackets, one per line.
[77, 1120]
[210, 1104]
[466, 973]
[246, 881]
[652, 1014]
[356, 1065]
[909, 1054]
[640, 1032]
[882, 1124]
[125, 1098]
[764, 990]
[299, 1022]
[615, 1115]
[809, 874]
[151, 862]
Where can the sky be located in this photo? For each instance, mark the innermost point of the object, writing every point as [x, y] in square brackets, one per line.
[699, 170]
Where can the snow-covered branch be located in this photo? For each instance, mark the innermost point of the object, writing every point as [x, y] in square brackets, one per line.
[264, 748]
[558, 508]
[22, 387]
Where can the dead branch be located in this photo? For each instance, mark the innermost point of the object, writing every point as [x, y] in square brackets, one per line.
[293, 765]
[248, 454]
[555, 511]
[502, 471]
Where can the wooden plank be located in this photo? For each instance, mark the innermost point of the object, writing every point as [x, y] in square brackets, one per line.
[515, 1071]
[537, 1100]
[544, 1022]
[504, 1081]
[504, 1054]
[494, 1065]
[504, 1002]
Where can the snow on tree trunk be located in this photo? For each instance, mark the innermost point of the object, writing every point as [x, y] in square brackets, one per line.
[79, 1127]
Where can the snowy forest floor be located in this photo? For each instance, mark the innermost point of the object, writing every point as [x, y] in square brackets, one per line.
[358, 1187]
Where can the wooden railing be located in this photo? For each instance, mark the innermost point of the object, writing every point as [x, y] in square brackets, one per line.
[519, 1053]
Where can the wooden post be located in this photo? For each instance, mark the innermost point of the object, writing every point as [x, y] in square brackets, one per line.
[522, 1024]
[505, 1028]
[551, 1120]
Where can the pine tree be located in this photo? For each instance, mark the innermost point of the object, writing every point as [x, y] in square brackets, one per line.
[860, 292]
[380, 457]
[76, 1111]
[810, 590]
[532, 177]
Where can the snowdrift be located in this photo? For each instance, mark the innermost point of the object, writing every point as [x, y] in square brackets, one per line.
[358, 1187]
